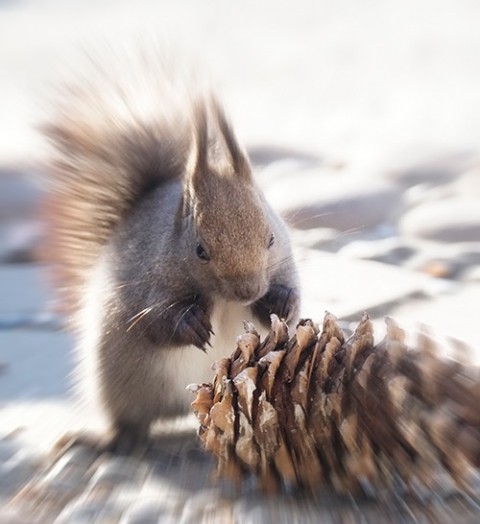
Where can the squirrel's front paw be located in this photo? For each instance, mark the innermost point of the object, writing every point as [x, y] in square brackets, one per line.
[282, 300]
[193, 327]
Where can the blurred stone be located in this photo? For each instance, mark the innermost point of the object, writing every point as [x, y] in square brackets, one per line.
[20, 242]
[24, 289]
[202, 503]
[468, 184]
[80, 457]
[148, 511]
[12, 516]
[250, 510]
[87, 512]
[119, 471]
[168, 519]
[68, 476]
[325, 239]
[14, 474]
[394, 250]
[426, 165]
[472, 274]
[444, 260]
[451, 220]
[449, 315]
[275, 175]
[39, 364]
[440, 269]
[342, 202]
[8, 449]
[19, 216]
[19, 196]
[347, 286]
[423, 194]
[262, 155]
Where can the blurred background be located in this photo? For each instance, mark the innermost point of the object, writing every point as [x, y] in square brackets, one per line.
[362, 120]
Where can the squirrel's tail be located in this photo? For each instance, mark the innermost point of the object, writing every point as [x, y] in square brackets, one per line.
[118, 132]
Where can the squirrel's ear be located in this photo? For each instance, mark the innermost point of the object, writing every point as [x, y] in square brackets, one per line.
[219, 150]
[200, 141]
[197, 170]
[238, 158]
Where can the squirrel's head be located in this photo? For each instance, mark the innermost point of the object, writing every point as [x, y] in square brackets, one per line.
[233, 233]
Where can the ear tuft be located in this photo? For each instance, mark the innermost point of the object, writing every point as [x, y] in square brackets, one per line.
[214, 144]
[200, 126]
[237, 156]
[197, 166]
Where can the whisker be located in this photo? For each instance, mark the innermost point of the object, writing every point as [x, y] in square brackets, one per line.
[165, 309]
[141, 314]
[292, 216]
[350, 231]
[282, 262]
[133, 321]
[189, 308]
[169, 306]
[127, 284]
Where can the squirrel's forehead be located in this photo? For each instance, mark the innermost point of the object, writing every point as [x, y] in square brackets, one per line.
[230, 218]
[232, 240]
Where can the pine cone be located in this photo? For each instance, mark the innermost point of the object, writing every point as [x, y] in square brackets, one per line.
[317, 409]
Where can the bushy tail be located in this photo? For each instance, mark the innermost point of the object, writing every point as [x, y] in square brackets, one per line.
[119, 131]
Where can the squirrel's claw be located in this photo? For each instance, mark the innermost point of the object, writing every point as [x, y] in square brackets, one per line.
[281, 300]
[194, 328]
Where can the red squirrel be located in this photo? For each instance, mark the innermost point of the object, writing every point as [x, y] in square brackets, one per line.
[161, 241]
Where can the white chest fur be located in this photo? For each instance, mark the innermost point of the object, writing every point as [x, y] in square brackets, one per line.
[189, 365]
[153, 383]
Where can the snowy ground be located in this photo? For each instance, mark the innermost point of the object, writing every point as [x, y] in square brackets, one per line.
[369, 109]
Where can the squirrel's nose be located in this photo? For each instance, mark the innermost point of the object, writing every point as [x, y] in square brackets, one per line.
[248, 291]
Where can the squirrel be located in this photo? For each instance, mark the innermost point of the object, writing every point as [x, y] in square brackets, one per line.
[159, 237]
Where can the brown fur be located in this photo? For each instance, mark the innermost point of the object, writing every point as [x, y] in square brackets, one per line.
[107, 152]
[158, 235]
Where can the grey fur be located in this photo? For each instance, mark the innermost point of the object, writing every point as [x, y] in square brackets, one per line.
[159, 236]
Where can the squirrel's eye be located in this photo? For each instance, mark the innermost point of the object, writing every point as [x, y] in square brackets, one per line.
[201, 253]
[271, 240]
